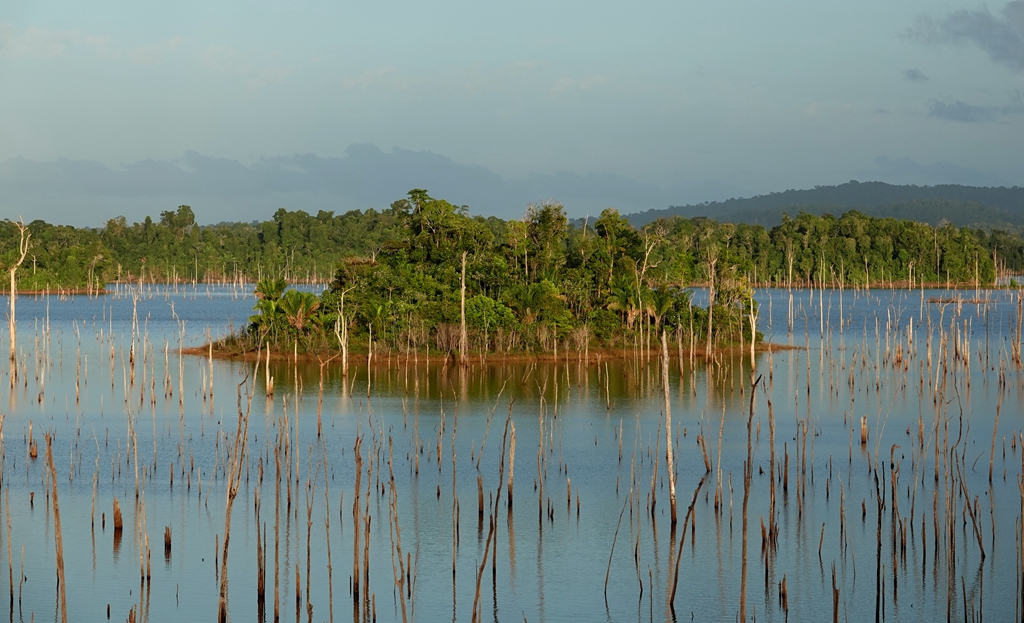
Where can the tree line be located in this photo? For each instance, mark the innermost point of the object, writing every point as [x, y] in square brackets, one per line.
[304, 247]
[175, 249]
[425, 274]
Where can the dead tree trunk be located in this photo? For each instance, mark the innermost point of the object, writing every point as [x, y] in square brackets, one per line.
[23, 242]
[57, 536]
[463, 337]
[237, 458]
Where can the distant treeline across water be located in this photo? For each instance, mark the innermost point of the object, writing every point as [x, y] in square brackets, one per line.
[807, 244]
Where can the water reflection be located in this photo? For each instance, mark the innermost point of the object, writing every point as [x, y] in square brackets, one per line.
[117, 543]
[720, 381]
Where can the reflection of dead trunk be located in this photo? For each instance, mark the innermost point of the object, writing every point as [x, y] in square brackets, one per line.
[320, 394]
[748, 472]
[1017, 338]
[511, 466]
[356, 521]
[669, 459]
[118, 521]
[25, 235]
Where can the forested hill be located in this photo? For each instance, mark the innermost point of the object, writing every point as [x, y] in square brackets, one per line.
[986, 207]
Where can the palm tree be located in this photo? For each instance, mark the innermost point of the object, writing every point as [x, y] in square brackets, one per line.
[268, 294]
[298, 309]
[660, 303]
[528, 300]
[271, 289]
[625, 299]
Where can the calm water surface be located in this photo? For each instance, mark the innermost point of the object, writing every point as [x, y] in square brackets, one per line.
[591, 498]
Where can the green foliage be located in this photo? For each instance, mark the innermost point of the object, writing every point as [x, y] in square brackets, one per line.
[853, 249]
[485, 314]
[270, 319]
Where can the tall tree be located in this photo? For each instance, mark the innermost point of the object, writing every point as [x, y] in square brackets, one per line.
[24, 237]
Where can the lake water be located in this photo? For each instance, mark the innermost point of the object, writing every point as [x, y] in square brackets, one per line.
[589, 535]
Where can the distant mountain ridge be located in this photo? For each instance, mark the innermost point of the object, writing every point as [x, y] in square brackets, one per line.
[962, 205]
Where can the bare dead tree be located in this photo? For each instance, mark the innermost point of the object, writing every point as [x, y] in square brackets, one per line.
[23, 243]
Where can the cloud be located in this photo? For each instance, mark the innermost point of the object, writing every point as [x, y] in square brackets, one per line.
[231, 61]
[40, 43]
[102, 45]
[959, 111]
[914, 75]
[387, 78]
[224, 58]
[271, 75]
[36, 42]
[472, 79]
[969, 113]
[521, 66]
[569, 85]
[1000, 36]
[156, 53]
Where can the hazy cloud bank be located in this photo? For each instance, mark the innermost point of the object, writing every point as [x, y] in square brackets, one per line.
[82, 192]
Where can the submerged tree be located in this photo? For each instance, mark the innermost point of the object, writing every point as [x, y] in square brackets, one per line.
[17, 258]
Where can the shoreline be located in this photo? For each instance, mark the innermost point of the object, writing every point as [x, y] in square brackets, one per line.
[592, 356]
[894, 285]
[59, 292]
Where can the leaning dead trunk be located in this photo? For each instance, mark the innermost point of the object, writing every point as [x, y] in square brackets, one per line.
[712, 261]
[57, 536]
[234, 479]
[753, 327]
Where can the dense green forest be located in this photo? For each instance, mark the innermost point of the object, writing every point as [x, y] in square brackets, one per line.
[932, 211]
[293, 244]
[454, 283]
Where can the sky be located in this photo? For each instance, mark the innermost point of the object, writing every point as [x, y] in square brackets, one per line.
[114, 108]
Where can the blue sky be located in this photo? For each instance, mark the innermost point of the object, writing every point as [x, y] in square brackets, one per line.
[238, 108]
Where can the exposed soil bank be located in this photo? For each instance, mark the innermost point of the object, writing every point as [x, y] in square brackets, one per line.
[595, 354]
[58, 292]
